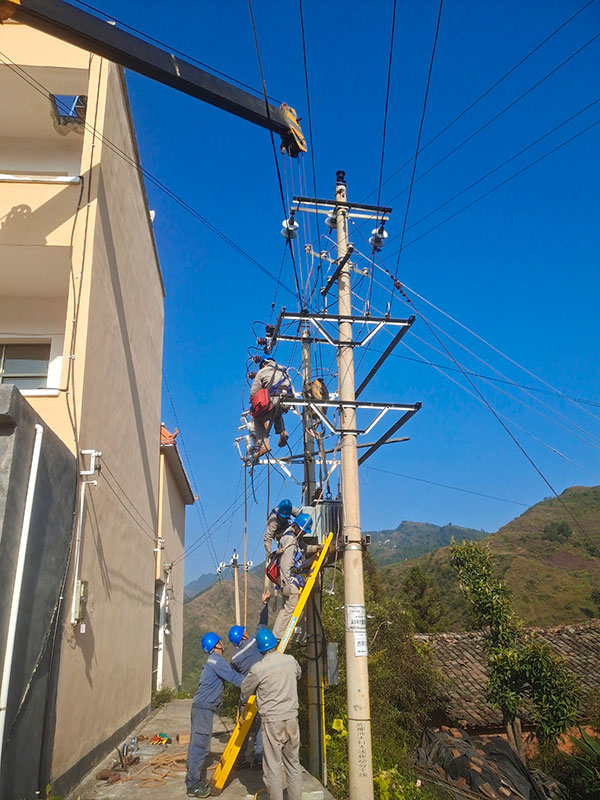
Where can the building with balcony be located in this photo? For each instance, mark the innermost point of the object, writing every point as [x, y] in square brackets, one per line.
[81, 326]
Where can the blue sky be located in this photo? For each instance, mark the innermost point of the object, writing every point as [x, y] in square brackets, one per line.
[519, 268]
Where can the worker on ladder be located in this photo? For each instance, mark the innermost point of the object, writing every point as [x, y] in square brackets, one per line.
[269, 385]
[277, 522]
[245, 657]
[206, 701]
[274, 681]
[291, 556]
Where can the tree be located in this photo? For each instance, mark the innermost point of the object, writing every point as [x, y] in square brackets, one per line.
[520, 666]
[557, 531]
[422, 600]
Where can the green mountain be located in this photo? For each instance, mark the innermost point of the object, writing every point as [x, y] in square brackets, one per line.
[414, 539]
[214, 610]
[552, 575]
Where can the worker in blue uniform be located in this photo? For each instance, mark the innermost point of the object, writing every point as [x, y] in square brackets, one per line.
[206, 701]
[242, 661]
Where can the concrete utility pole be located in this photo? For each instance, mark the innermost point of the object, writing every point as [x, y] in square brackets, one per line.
[314, 643]
[236, 586]
[360, 763]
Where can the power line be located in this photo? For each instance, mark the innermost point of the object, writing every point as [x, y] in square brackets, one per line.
[414, 169]
[448, 486]
[386, 106]
[488, 90]
[498, 418]
[494, 188]
[28, 78]
[503, 164]
[496, 116]
[283, 203]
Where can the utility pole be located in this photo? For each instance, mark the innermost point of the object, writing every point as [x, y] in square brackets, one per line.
[360, 763]
[234, 565]
[314, 643]
[236, 586]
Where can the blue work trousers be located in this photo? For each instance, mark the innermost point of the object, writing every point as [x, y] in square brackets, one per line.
[202, 723]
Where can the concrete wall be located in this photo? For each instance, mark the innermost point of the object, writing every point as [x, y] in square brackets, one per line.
[173, 532]
[24, 763]
[117, 387]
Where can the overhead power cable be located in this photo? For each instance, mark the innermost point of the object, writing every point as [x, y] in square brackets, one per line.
[487, 91]
[43, 90]
[495, 169]
[498, 418]
[447, 486]
[496, 116]
[414, 168]
[171, 49]
[492, 190]
[386, 106]
[283, 203]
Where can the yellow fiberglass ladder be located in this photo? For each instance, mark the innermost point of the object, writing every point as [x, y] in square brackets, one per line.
[246, 719]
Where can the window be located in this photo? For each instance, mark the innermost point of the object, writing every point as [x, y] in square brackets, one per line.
[70, 108]
[25, 365]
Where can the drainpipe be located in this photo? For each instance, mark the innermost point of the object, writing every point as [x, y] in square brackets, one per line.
[94, 455]
[18, 584]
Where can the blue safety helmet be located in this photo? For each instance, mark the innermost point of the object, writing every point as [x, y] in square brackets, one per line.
[304, 522]
[284, 509]
[265, 640]
[236, 634]
[266, 357]
[209, 641]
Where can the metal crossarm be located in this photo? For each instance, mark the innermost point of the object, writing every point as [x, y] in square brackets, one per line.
[246, 719]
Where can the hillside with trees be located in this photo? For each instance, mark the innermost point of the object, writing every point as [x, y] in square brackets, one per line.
[550, 560]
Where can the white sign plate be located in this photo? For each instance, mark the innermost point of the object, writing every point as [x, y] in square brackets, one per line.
[360, 643]
[356, 619]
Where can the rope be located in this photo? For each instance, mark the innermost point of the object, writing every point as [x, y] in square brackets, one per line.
[166, 765]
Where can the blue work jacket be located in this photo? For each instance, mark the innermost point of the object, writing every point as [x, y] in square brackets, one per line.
[247, 655]
[212, 681]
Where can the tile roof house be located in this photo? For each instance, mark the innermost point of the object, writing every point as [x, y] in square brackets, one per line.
[462, 660]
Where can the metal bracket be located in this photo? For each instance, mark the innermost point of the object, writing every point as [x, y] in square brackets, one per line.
[93, 454]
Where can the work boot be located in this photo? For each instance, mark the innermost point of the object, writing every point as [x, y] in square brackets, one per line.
[283, 437]
[264, 448]
[203, 790]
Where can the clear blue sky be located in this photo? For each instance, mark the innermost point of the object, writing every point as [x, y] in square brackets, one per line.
[520, 268]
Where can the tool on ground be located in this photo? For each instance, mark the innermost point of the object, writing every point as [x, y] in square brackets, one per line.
[246, 719]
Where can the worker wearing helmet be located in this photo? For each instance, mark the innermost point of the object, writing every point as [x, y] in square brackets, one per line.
[274, 681]
[206, 701]
[277, 522]
[275, 379]
[242, 661]
[291, 579]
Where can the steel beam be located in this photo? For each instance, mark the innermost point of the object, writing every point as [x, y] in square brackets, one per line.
[390, 432]
[384, 356]
[84, 30]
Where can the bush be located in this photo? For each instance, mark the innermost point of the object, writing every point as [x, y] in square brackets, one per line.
[579, 783]
[160, 697]
[400, 709]
[557, 531]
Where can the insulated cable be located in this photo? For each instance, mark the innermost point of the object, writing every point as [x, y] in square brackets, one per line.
[488, 91]
[414, 168]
